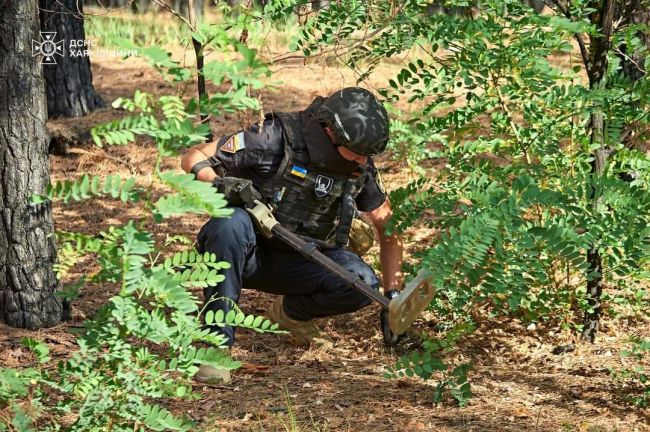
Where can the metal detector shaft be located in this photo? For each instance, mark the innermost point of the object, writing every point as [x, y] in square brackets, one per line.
[269, 227]
[310, 251]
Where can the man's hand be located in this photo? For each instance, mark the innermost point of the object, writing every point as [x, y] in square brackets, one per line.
[237, 191]
[390, 338]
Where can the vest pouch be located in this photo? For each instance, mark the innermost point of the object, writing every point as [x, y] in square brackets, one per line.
[362, 237]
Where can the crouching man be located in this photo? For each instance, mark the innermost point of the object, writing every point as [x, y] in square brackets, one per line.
[315, 169]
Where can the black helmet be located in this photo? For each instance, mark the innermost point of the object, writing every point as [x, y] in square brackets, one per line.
[358, 120]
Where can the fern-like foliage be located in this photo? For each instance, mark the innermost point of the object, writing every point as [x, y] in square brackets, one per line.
[114, 377]
[192, 196]
[167, 120]
[160, 419]
[240, 319]
[429, 363]
[93, 186]
[514, 196]
[124, 131]
[144, 346]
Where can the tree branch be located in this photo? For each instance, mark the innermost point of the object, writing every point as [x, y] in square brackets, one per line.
[584, 53]
[200, 61]
[168, 8]
[334, 50]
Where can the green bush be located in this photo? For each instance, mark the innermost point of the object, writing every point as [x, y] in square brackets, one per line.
[141, 350]
[526, 218]
[514, 200]
[145, 345]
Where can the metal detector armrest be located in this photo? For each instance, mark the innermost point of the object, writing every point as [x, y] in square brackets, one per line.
[263, 217]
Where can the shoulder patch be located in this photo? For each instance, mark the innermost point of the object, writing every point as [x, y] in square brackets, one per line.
[234, 143]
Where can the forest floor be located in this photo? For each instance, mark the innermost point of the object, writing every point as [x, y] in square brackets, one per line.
[517, 382]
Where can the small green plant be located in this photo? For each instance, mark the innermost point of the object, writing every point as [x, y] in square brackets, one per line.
[639, 375]
[410, 145]
[428, 364]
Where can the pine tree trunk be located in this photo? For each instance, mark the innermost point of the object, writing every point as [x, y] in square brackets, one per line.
[27, 251]
[70, 91]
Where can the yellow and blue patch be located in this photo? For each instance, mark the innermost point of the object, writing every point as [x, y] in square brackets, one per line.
[299, 171]
[234, 143]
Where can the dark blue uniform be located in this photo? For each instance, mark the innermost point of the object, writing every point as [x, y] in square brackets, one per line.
[258, 263]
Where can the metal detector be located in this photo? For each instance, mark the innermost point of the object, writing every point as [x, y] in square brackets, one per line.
[402, 310]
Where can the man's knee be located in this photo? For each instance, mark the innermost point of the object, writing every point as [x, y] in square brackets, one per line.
[237, 228]
[356, 265]
[367, 274]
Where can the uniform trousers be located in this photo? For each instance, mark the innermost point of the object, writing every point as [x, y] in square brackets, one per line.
[257, 263]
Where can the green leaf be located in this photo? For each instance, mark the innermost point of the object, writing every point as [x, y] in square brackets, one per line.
[41, 350]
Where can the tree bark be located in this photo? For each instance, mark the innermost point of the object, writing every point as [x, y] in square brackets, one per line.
[633, 68]
[200, 63]
[603, 18]
[70, 91]
[27, 250]
[607, 12]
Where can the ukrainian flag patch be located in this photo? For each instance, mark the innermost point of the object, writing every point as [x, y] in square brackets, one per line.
[299, 171]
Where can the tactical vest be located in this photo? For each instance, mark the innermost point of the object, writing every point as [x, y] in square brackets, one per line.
[313, 196]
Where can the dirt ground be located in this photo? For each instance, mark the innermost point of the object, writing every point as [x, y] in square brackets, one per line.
[518, 384]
